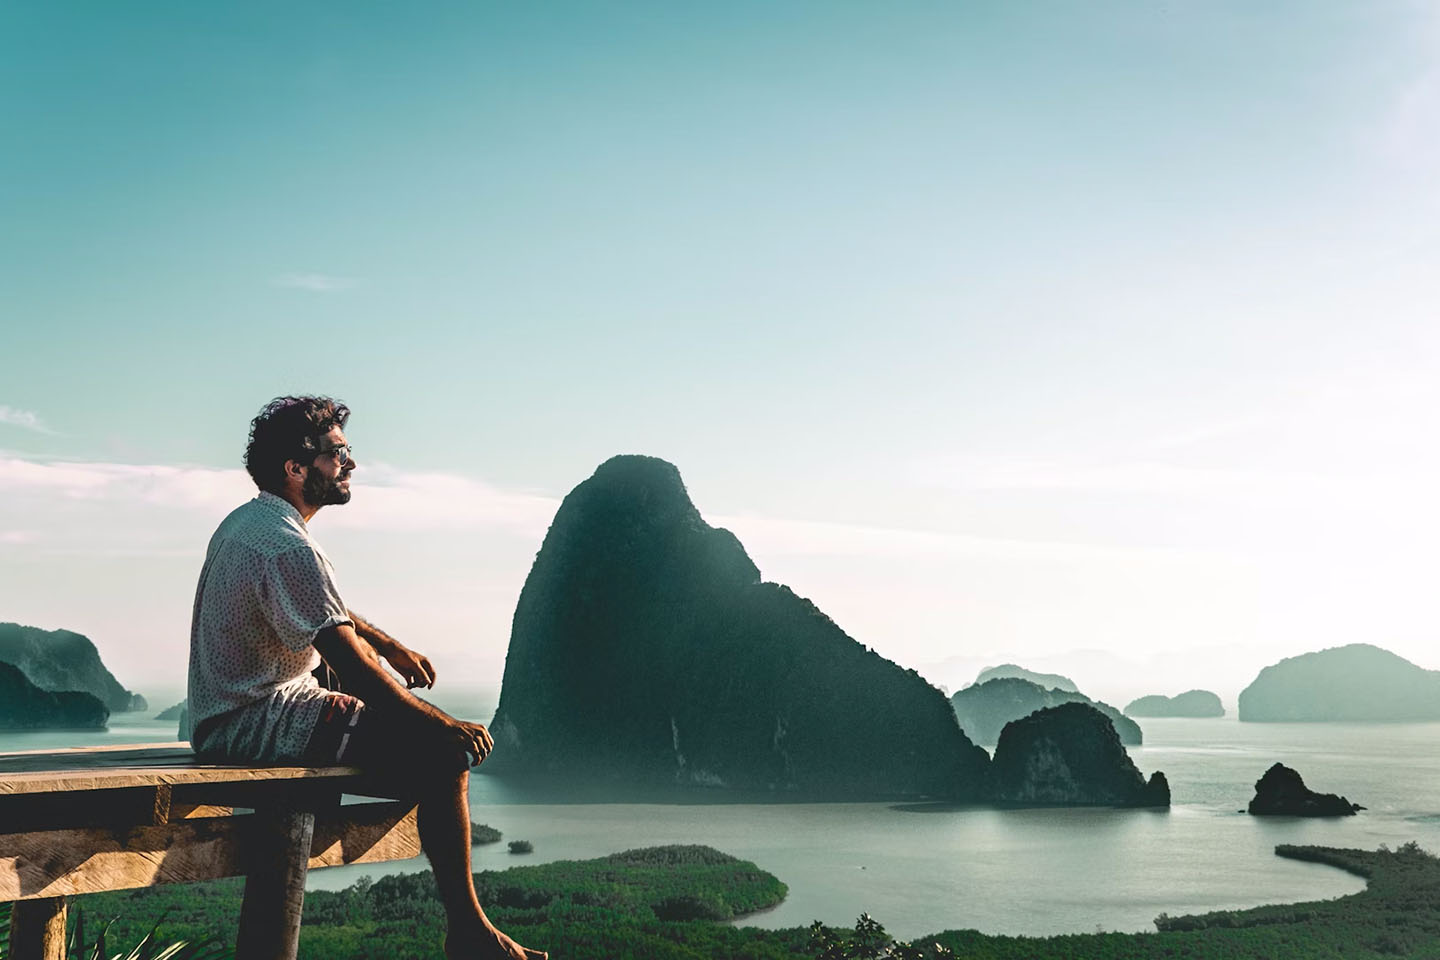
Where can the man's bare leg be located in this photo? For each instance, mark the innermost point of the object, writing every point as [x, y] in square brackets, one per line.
[444, 823]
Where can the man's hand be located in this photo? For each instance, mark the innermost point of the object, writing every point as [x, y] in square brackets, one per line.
[473, 738]
[413, 667]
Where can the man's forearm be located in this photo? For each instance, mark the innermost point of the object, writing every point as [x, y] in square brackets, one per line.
[361, 674]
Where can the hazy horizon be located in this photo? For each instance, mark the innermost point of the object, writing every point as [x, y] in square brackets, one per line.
[1094, 339]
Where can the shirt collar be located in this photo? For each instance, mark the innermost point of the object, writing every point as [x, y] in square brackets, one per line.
[281, 506]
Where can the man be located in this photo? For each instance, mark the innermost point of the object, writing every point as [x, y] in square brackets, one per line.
[267, 611]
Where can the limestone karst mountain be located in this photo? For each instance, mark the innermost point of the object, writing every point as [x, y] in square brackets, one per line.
[1191, 703]
[647, 649]
[1358, 682]
[985, 708]
[1282, 792]
[62, 660]
[1070, 755]
[24, 706]
[1012, 671]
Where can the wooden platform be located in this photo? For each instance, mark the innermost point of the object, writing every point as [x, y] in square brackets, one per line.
[90, 819]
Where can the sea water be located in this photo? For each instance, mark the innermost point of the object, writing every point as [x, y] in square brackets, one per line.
[921, 868]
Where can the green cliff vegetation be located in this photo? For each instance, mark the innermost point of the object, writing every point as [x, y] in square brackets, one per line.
[647, 650]
[24, 706]
[675, 902]
[62, 660]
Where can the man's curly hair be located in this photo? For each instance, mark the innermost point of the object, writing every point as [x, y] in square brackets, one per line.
[289, 428]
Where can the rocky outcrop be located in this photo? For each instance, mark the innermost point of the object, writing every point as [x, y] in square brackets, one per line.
[1358, 682]
[1049, 681]
[1192, 703]
[180, 713]
[1069, 755]
[60, 660]
[984, 709]
[646, 649]
[24, 706]
[1282, 792]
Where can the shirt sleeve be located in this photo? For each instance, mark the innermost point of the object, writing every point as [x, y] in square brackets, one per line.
[299, 596]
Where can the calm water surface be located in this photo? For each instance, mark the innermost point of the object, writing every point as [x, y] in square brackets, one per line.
[920, 868]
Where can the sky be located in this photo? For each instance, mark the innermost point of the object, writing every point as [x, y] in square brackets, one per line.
[1096, 337]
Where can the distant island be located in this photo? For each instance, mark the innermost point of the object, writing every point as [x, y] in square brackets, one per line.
[62, 660]
[1282, 792]
[1358, 682]
[24, 706]
[1049, 681]
[1070, 755]
[180, 713]
[646, 650]
[984, 709]
[1192, 703]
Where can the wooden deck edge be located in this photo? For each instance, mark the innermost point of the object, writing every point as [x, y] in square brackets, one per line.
[54, 863]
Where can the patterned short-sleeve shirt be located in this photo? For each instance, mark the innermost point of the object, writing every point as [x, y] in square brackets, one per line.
[265, 591]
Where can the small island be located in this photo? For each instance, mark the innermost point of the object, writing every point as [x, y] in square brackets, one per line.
[1282, 792]
[1192, 703]
[521, 846]
[481, 834]
[1070, 755]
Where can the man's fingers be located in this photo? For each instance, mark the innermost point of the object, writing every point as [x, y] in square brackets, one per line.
[427, 672]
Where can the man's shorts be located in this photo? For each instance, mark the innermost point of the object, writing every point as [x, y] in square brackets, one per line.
[350, 733]
[334, 733]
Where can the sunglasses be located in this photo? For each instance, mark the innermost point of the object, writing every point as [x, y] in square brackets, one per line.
[342, 453]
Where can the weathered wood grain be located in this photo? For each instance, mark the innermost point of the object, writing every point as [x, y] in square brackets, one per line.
[275, 868]
[52, 863]
[134, 765]
[37, 930]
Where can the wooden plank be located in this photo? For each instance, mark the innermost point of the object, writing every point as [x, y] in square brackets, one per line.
[365, 833]
[63, 862]
[37, 930]
[276, 861]
[64, 781]
[194, 811]
[131, 765]
[179, 746]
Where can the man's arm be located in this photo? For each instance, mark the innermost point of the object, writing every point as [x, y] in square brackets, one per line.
[360, 672]
[414, 667]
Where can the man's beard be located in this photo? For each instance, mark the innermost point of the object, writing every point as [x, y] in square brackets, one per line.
[321, 491]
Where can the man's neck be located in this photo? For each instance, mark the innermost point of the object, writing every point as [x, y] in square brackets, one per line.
[297, 501]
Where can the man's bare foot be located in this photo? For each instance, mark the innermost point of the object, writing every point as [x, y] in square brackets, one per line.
[488, 944]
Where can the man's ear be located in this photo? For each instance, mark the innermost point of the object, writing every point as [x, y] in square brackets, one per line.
[294, 470]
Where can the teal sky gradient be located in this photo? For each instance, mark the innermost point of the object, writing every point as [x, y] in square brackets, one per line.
[1112, 276]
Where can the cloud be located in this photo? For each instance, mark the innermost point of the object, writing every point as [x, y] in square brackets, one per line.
[101, 507]
[16, 417]
[765, 536]
[314, 282]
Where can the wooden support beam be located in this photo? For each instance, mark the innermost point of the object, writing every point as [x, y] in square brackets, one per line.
[277, 859]
[37, 930]
[51, 863]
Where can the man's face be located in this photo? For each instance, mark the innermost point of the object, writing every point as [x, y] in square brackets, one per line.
[326, 480]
